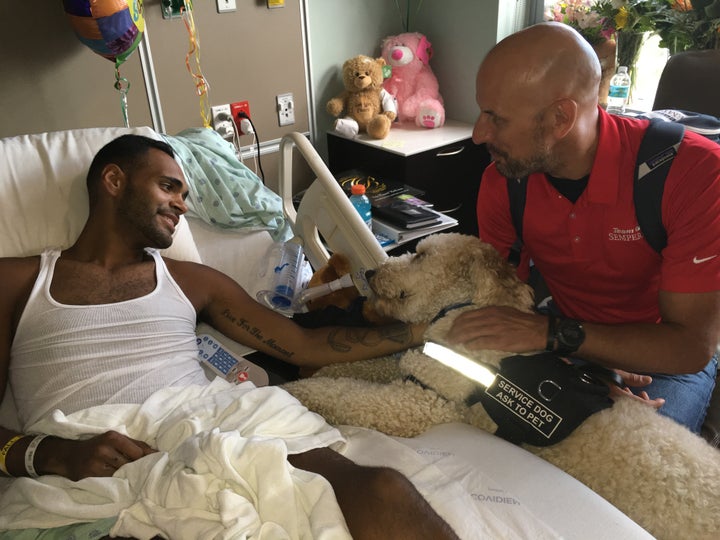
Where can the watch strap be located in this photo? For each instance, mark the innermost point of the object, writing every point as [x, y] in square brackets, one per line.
[550, 344]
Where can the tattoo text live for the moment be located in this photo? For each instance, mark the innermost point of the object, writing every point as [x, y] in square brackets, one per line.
[340, 339]
[256, 333]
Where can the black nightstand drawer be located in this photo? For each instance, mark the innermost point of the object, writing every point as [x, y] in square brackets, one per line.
[449, 175]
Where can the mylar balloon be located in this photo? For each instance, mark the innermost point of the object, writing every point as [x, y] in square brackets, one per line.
[111, 28]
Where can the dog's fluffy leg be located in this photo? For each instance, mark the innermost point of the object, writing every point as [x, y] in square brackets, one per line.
[648, 466]
[379, 370]
[403, 409]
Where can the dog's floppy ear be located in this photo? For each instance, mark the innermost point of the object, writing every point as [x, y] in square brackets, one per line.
[494, 280]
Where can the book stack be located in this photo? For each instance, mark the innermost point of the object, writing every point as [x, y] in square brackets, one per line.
[400, 235]
[377, 189]
[399, 213]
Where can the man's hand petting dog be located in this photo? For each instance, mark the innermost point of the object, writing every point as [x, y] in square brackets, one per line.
[508, 329]
[499, 328]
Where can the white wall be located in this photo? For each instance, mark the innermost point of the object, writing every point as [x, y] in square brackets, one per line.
[338, 30]
[461, 31]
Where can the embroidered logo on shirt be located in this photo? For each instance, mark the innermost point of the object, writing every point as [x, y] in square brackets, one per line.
[625, 234]
[704, 259]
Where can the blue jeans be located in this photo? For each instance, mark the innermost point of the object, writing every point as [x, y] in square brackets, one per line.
[686, 396]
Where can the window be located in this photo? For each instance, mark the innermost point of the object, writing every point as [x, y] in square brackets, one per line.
[649, 67]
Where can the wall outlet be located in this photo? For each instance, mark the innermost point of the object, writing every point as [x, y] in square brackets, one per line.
[285, 109]
[223, 6]
[222, 121]
[236, 109]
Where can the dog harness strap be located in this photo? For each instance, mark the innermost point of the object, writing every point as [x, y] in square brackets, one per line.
[413, 379]
[605, 375]
[444, 311]
[540, 399]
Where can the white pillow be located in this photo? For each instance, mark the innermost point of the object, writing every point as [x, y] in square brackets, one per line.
[43, 198]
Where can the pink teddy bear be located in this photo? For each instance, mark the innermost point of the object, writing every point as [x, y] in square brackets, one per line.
[412, 82]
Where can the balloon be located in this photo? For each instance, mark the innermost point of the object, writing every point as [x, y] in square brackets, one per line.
[111, 28]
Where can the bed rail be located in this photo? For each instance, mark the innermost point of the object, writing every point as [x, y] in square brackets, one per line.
[325, 220]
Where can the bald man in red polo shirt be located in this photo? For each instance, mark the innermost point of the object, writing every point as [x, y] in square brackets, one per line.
[616, 301]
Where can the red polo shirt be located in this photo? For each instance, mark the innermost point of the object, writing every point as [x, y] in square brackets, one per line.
[597, 264]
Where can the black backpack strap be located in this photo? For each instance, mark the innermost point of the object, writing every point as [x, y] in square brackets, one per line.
[517, 192]
[655, 157]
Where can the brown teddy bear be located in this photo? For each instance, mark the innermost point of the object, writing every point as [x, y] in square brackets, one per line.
[366, 106]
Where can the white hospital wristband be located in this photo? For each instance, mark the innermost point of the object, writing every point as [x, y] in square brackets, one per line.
[30, 456]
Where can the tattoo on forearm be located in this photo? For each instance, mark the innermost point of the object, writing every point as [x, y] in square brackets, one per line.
[256, 333]
[343, 339]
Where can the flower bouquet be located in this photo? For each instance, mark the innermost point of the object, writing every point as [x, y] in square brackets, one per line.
[631, 20]
[596, 28]
[584, 17]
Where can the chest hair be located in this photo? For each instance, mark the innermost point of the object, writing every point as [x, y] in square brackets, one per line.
[79, 283]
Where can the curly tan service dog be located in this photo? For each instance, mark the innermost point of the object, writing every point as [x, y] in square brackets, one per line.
[659, 473]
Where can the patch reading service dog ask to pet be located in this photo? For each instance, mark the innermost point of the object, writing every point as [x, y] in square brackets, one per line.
[524, 406]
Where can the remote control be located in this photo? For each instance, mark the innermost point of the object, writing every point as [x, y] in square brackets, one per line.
[221, 362]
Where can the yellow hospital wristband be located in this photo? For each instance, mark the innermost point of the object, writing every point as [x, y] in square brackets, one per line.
[5, 450]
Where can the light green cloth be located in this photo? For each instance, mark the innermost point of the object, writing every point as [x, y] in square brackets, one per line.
[223, 191]
[79, 531]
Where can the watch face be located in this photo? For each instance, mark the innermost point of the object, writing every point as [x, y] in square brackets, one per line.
[570, 333]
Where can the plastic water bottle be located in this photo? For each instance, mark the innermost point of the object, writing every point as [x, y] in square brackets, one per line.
[361, 203]
[619, 91]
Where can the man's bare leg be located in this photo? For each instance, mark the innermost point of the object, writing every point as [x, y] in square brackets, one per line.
[378, 502]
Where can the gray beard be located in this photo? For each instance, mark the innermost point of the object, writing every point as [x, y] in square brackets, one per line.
[513, 168]
[540, 162]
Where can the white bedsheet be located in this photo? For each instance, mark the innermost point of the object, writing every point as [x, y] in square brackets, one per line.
[514, 483]
[222, 470]
[451, 492]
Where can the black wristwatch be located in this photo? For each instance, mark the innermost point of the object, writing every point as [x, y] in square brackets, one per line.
[565, 336]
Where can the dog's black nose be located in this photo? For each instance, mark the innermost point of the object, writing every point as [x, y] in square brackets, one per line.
[369, 274]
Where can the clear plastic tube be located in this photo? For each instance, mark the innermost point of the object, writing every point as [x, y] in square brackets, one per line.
[326, 288]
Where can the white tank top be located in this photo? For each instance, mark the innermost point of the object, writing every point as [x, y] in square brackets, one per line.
[70, 357]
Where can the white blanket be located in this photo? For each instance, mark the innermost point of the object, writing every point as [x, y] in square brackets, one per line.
[221, 471]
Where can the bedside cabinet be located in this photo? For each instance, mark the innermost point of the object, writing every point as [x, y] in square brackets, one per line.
[443, 162]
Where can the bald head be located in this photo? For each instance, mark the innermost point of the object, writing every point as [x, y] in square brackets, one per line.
[544, 62]
[538, 96]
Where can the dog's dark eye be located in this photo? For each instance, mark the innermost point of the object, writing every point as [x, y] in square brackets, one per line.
[402, 295]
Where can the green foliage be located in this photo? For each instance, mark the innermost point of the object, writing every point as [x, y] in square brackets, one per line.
[681, 24]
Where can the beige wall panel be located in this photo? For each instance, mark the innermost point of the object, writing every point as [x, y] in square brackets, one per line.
[51, 81]
[250, 54]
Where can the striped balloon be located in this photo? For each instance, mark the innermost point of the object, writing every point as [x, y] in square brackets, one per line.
[111, 28]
